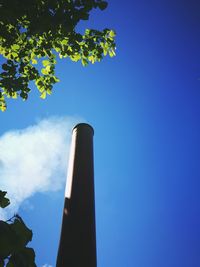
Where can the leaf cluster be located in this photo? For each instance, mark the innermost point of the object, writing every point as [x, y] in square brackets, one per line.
[14, 237]
[33, 33]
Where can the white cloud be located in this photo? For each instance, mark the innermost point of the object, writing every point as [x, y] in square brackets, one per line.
[34, 159]
[46, 265]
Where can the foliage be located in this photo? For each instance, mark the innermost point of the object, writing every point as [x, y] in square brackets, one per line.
[4, 201]
[14, 236]
[33, 33]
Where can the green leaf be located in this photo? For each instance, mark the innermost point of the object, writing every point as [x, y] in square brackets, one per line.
[7, 239]
[64, 42]
[24, 95]
[15, 47]
[76, 57]
[34, 61]
[46, 63]
[43, 95]
[14, 95]
[105, 52]
[112, 53]
[23, 233]
[23, 258]
[92, 59]
[3, 108]
[14, 54]
[54, 79]
[103, 5]
[5, 67]
[29, 255]
[44, 71]
[112, 34]
[48, 69]
[4, 202]
[49, 91]
[84, 62]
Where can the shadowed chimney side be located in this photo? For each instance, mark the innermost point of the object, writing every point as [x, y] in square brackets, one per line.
[77, 246]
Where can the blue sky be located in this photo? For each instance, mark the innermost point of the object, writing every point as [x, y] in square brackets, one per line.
[144, 106]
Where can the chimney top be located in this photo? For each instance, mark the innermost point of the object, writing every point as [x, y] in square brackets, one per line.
[83, 126]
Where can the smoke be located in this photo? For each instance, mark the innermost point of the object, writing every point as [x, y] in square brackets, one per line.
[34, 160]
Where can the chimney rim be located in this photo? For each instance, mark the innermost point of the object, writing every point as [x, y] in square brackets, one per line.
[81, 126]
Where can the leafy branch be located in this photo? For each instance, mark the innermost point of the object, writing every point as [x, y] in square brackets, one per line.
[14, 237]
[34, 33]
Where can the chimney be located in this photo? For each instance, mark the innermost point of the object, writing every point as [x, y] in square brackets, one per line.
[77, 246]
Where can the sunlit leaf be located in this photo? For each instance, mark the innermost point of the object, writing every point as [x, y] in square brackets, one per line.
[46, 62]
[34, 61]
[43, 95]
[84, 62]
[112, 53]
[44, 71]
[112, 34]
[15, 47]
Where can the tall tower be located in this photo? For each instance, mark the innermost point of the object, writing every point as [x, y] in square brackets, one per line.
[77, 246]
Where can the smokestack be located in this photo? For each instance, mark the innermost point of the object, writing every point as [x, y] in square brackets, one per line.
[77, 246]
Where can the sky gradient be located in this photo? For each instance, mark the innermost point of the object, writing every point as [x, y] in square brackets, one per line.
[144, 106]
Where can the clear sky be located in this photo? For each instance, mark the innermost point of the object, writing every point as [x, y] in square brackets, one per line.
[144, 105]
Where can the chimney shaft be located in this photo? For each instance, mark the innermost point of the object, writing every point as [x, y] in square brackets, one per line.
[77, 246]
